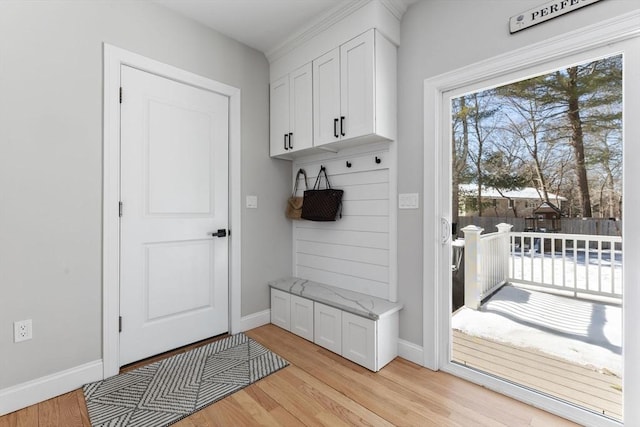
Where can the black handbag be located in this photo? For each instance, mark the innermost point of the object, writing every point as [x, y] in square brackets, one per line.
[322, 205]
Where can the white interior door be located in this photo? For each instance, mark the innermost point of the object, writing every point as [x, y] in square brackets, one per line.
[174, 190]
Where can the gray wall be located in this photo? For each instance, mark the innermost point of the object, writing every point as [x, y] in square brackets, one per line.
[51, 152]
[438, 36]
[51, 167]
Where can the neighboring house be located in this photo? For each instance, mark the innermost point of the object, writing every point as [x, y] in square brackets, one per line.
[515, 203]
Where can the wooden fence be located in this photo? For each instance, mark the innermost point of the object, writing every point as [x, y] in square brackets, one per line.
[591, 226]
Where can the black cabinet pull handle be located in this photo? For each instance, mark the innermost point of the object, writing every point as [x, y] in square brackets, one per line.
[342, 126]
[285, 142]
[291, 140]
[335, 128]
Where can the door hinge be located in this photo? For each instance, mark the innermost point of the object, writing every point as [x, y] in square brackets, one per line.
[120, 209]
[120, 94]
[120, 324]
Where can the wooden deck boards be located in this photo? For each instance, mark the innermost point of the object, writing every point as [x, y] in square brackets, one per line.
[597, 391]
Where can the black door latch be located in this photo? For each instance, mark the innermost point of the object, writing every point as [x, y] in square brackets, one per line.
[220, 233]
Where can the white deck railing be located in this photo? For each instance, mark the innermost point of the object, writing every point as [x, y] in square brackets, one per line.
[486, 262]
[576, 263]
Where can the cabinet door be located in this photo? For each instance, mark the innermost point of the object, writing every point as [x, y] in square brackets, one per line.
[279, 120]
[327, 327]
[326, 98]
[302, 317]
[281, 309]
[359, 340]
[357, 89]
[301, 109]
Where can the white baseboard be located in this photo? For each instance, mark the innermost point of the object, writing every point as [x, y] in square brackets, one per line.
[35, 391]
[255, 320]
[410, 351]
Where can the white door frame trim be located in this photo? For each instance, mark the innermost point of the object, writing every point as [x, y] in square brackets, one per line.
[435, 298]
[114, 58]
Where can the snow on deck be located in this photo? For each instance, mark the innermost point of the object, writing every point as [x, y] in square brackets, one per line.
[584, 332]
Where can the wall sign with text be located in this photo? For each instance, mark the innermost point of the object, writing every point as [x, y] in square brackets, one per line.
[543, 13]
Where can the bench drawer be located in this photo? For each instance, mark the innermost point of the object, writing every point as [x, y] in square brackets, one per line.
[328, 327]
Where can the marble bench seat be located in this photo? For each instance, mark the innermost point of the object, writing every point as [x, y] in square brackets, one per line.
[352, 302]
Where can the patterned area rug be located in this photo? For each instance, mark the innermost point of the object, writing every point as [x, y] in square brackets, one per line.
[169, 390]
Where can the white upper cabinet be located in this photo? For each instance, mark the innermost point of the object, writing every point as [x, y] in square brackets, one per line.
[343, 91]
[357, 95]
[343, 98]
[326, 98]
[301, 120]
[290, 109]
[279, 111]
[354, 92]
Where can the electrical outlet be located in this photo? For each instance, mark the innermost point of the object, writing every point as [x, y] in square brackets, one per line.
[22, 330]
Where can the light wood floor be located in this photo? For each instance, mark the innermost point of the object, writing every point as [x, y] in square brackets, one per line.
[598, 391]
[320, 388]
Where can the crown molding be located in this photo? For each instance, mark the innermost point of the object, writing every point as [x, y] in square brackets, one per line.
[316, 27]
[396, 7]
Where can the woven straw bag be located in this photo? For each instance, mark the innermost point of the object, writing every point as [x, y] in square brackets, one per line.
[294, 203]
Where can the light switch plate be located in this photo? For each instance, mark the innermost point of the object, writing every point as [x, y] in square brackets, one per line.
[408, 201]
[252, 202]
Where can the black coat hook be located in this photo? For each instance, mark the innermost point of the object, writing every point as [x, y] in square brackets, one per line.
[348, 164]
[378, 160]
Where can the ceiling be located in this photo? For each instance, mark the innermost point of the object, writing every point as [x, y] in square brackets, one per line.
[261, 24]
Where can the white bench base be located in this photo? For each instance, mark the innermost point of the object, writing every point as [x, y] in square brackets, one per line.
[362, 338]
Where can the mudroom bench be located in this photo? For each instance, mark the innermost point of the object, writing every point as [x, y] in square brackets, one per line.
[359, 327]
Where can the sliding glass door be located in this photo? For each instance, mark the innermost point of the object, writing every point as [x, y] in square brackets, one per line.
[533, 296]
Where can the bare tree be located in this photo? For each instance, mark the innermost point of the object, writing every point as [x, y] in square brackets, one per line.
[605, 155]
[459, 150]
[482, 110]
[527, 119]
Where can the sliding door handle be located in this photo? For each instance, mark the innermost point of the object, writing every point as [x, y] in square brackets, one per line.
[445, 230]
[291, 140]
[342, 126]
[335, 128]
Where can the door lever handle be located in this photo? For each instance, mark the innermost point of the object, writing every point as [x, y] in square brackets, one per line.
[220, 233]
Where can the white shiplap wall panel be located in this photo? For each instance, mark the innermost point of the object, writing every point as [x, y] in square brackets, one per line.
[339, 237]
[362, 254]
[378, 224]
[365, 191]
[357, 284]
[366, 207]
[357, 176]
[352, 252]
[369, 271]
